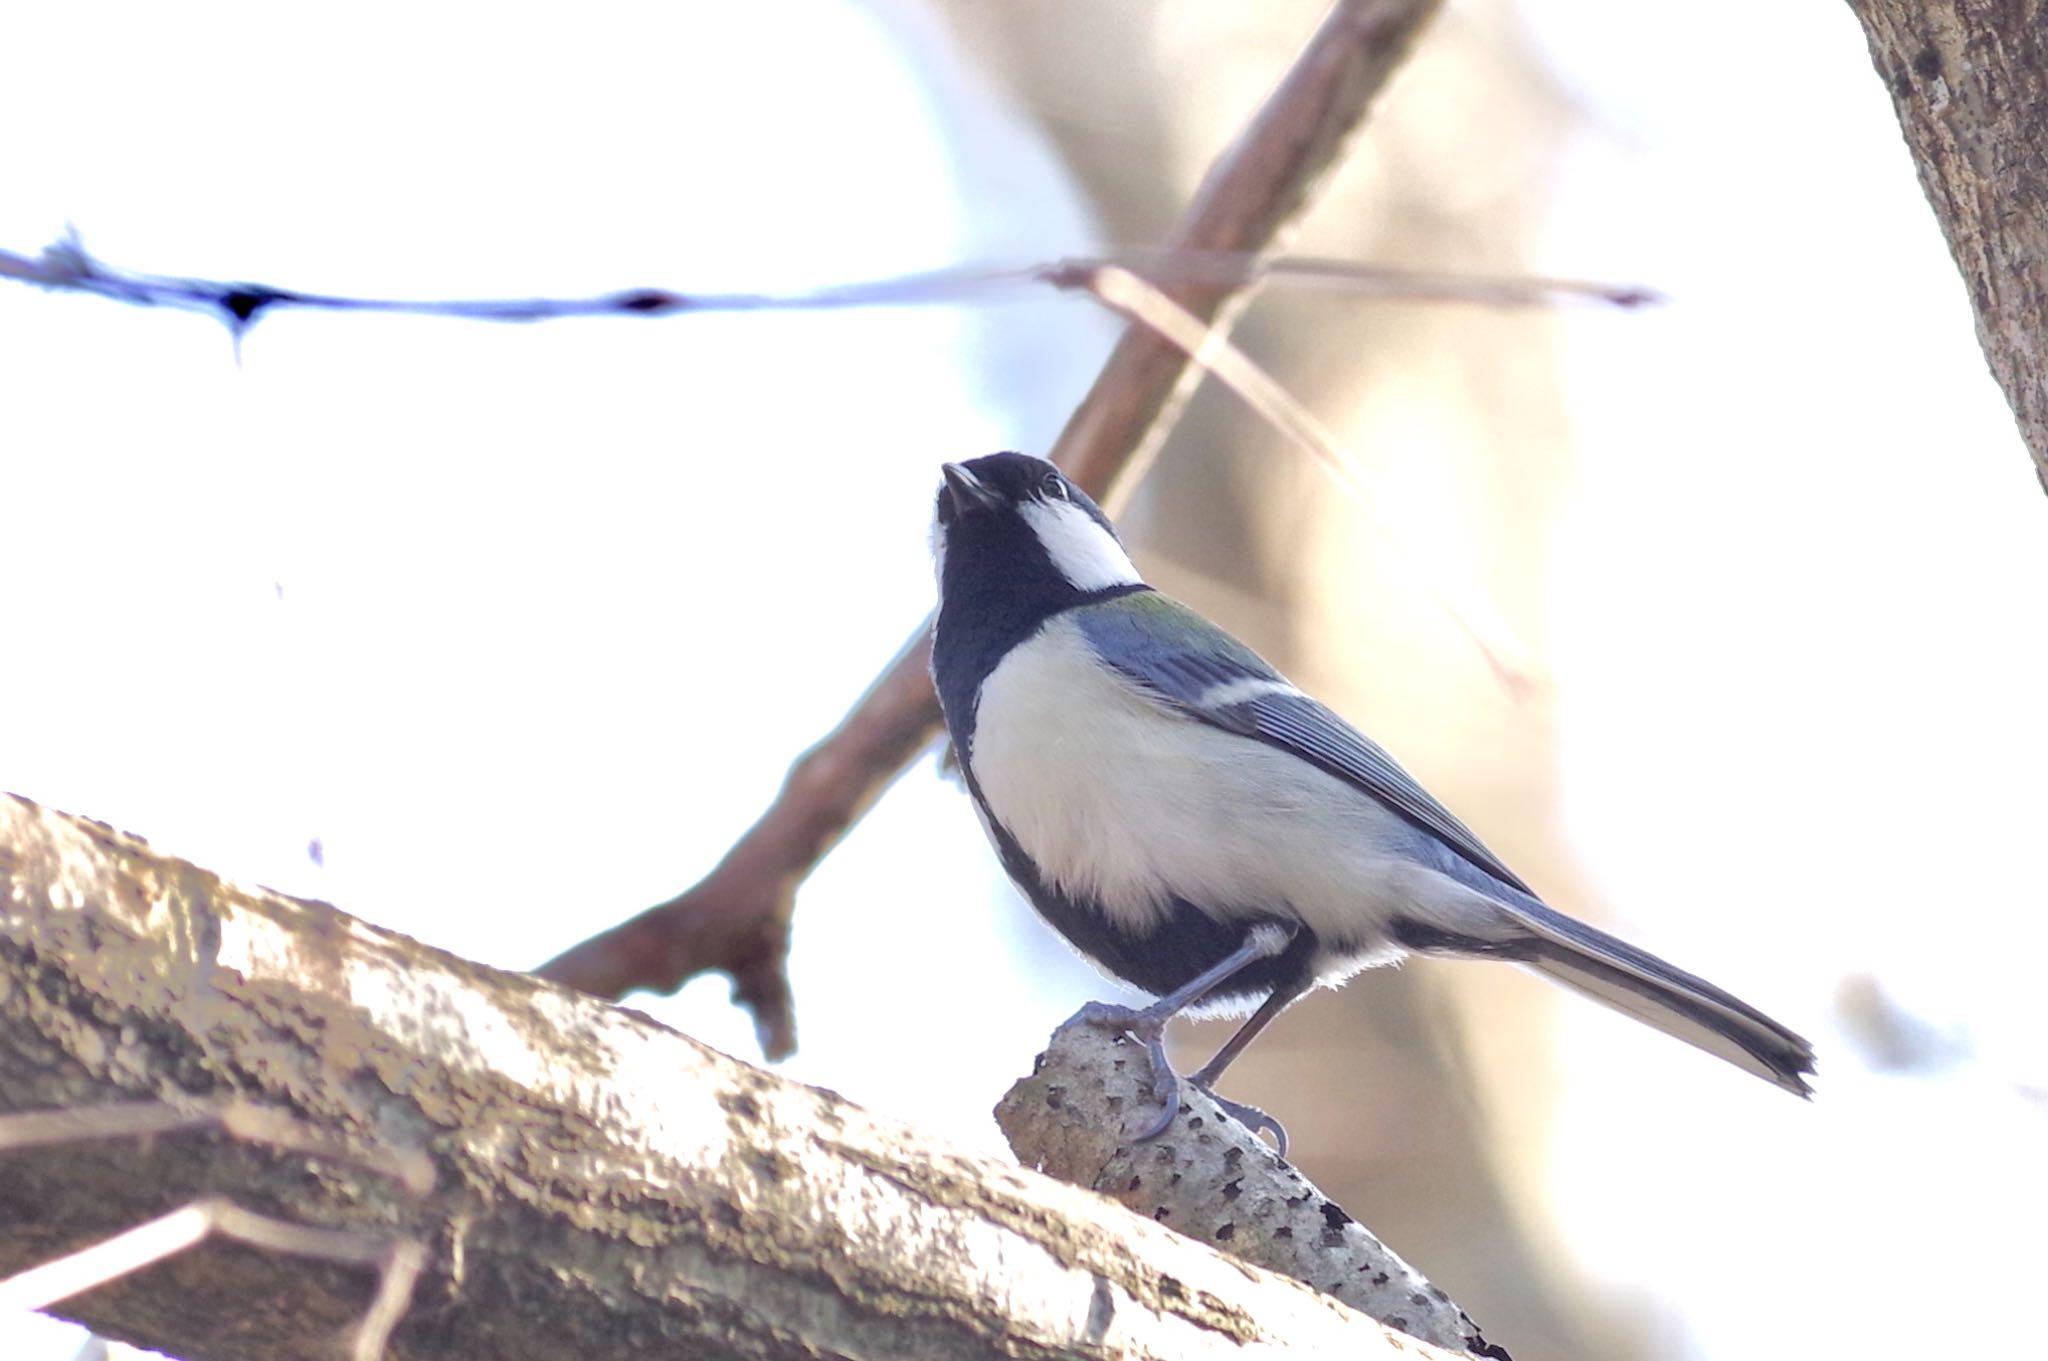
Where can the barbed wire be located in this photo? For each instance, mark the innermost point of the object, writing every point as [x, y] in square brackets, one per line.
[66, 265]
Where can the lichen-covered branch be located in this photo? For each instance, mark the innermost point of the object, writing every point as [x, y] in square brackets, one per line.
[1212, 1179]
[602, 1187]
[1969, 79]
[737, 919]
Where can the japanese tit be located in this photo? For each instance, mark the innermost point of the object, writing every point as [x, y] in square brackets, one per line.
[1203, 830]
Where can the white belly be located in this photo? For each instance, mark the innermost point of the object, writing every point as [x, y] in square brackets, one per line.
[1127, 803]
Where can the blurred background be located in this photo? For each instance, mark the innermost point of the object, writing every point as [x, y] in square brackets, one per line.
[497, 635]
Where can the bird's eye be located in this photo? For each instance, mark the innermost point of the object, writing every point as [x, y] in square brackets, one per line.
[1053, 487]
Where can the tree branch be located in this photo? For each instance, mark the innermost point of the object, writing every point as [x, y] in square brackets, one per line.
[737, 918]
[1213, 1180]
[602, 1187]
[1969, 79]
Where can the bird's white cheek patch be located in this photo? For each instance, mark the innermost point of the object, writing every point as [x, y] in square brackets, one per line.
[1085, 553]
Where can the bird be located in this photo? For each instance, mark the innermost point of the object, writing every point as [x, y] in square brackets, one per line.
[1203, 830]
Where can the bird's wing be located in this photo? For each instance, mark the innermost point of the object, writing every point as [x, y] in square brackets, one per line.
[1169, 651]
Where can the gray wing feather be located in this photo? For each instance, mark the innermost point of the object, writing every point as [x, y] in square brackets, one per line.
[1167, 649]
[1312, 731]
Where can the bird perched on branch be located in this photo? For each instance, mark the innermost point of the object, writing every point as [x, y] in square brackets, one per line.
[1203, 830]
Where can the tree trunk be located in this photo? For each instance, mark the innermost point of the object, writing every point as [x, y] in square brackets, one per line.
[1969, 79]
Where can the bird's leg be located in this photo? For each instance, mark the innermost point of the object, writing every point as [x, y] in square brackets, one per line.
[1205, 1077]
[1148, 1026]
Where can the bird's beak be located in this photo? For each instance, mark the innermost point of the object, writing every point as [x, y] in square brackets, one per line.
[966, 489]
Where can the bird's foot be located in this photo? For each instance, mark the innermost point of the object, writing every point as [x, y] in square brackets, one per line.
[1251, 1117]
[1148, 1026]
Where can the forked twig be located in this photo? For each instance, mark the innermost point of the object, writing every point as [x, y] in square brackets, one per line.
[399, 1260]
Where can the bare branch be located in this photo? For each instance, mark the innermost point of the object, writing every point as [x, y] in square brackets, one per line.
[606, 1189]
[737, 919]
[1969, 79]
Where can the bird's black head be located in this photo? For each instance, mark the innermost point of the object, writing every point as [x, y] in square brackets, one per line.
[1017, 542]
[1017, 519]
[999, 482]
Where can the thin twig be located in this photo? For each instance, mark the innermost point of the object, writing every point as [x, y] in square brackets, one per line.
[399, 1261]
[397, 1274]
[39, 1287]
[117, 1120]
[398, 1264]
[737, 918]
[1209, 347]
[412, 1169]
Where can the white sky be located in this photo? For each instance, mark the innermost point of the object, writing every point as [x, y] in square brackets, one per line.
[489, 611]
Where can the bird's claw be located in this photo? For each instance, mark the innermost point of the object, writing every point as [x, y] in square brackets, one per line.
[1251, 1117]
[1149, 1029]
[1169, 1108]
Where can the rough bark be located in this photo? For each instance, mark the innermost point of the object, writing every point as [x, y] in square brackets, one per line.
[1969, 79]
[602, 1186]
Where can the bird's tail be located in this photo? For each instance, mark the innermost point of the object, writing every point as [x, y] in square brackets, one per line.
[1641, 985]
